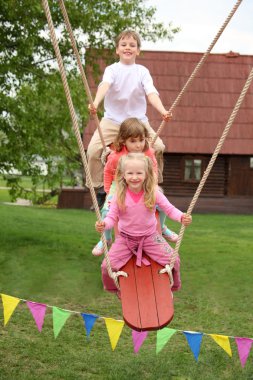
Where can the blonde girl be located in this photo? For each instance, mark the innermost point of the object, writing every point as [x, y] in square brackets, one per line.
[134, 206]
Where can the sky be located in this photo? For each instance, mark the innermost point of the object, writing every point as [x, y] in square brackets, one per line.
[200, 21]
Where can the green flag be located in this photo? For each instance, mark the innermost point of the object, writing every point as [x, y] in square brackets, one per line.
[60, 316]
[163, 336]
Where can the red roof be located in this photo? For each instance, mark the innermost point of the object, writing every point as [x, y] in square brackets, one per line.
[205, 108]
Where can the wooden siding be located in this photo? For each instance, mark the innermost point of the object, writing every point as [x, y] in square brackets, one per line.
[225, 205]
[74, 198]
[240, 176]
[173, 177]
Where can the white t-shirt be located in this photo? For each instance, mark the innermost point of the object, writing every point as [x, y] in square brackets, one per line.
[126, 96]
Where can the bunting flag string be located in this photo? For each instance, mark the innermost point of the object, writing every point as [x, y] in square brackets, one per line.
[89, 320]
[163, 336]
[194, 340]
[114, 329]
[38, 311]
[60, 317]
[223, 342]
[9, 304]
[138, 339]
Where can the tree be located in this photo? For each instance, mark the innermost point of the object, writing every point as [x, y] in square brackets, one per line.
[34, 118]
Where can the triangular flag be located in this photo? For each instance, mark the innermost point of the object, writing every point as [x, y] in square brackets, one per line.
[138, 339]
[89, 320]
[9, 304]
[194, 340]
[38, 311]
[60, 316]
[223, 342]
[114, 329]
[243, 346]
[163, 337]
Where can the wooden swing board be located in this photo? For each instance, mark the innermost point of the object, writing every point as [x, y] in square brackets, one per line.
[147, 302]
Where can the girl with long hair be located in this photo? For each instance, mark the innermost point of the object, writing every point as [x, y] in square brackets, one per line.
[133, 207]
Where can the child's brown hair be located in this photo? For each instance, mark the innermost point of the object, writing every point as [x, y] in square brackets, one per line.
[128, 33]
[131, 127]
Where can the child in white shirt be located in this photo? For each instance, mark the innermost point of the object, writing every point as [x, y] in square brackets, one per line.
[124, 88]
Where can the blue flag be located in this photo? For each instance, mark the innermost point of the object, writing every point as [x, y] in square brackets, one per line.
[89, 320]
[194, 340]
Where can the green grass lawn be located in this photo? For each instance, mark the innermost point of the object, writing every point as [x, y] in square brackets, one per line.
[45, 256]
[26, 182]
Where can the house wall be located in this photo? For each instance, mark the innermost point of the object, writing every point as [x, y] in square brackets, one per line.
[240, 176]
[175, 185]
[74, 198]
[230, 176]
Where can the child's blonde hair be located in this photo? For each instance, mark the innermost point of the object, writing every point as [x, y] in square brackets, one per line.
[128, 33]
[131, 127]
[149, 185]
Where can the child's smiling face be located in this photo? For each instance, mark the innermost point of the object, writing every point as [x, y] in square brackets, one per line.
[127, 50]
[135, 175]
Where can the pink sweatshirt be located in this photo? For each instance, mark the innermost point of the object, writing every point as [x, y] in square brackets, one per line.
[137, 219]
[112, 162]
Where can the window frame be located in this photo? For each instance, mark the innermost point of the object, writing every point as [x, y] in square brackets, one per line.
[202, 165]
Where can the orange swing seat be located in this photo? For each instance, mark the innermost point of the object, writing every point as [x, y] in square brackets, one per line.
[146, 297]
[147, 301]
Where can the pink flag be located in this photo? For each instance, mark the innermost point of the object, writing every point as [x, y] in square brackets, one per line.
[38, 311]
[138, 339]
[243, 346]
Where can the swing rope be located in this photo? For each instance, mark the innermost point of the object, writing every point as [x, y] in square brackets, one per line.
[78, 136]
[80, 66]
[192, 76]
[113, 275]
[210, 165]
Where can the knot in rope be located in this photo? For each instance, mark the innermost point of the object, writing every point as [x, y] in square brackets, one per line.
[168, 269]
[115, 275]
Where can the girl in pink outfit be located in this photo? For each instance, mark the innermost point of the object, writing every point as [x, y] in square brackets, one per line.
[134, 206]
[133, 137]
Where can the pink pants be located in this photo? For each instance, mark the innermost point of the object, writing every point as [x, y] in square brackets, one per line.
[154, 246]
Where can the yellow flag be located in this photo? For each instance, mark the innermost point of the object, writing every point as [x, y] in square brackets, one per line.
[9, 304]
[114, 329]
[222, 341]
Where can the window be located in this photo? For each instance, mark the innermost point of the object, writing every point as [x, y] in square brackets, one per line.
[192, 170]
[251, 162]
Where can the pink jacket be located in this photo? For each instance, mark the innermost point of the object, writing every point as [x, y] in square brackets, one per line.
[136, 219]
[112, 162]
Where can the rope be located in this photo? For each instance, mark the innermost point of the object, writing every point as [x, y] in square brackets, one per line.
[211, 163]
[80, 66]
[168, 269]
[204, 57]
[76, 130]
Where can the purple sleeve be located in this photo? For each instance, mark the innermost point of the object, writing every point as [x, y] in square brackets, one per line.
[113, 214]
[171, 211]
